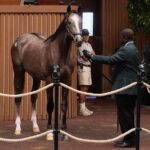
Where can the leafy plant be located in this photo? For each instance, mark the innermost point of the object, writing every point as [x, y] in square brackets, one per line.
[139, 15]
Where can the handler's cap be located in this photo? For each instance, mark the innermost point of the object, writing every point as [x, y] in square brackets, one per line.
[85, 32]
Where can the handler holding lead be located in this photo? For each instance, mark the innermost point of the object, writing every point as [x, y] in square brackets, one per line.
[126, 61]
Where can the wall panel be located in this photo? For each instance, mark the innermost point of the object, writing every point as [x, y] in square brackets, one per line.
[15, 20]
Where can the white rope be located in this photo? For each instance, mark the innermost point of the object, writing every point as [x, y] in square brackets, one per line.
[146, 130]
[72, 137]
[147, 87]
[27, 138]
[29, 93]
[97, 141]
[102, 94]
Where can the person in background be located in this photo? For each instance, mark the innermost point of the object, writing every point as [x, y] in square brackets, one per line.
[84, 72]
[126, 61]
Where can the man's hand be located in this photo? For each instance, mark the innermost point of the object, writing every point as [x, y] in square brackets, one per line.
[87, 54]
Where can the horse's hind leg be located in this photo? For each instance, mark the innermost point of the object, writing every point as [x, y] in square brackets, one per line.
[19, 76]
[50, 106]
[35, 86]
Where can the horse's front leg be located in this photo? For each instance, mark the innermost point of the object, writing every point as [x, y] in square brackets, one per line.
[35, 86]
[64, 106]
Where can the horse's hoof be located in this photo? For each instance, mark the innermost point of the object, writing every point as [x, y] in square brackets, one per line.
[65, 138]
[50, 137]
[18, 132]
[36, 130]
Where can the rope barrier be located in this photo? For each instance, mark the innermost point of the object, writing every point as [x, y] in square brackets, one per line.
[29, 93]
[146, 130]
[97, 141]
[27, 138]
[72, 137]
[147, 87]
[65, 133]
[96, 94]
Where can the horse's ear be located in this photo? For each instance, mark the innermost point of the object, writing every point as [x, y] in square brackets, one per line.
[69, 9]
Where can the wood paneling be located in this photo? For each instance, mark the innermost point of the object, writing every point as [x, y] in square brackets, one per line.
[15, 20]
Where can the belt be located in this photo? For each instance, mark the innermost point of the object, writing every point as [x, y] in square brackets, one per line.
[81, 65]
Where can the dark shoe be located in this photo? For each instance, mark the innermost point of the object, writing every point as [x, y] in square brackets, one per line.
[124, 144]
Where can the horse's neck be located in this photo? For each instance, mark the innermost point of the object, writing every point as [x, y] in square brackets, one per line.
[61, 44]
[64, 47]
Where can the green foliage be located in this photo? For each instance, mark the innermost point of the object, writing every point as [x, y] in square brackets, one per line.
[139, 15]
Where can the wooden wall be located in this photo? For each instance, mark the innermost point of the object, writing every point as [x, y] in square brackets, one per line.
[15, 20]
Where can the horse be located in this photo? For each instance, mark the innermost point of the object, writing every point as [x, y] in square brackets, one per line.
[35, 54]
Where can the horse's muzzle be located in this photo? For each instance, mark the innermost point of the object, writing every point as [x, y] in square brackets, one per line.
[79, 43]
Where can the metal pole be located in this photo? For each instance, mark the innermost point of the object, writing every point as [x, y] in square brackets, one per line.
[141, 75]
[56, 77]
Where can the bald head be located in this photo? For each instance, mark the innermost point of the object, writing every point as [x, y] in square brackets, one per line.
[128, 34]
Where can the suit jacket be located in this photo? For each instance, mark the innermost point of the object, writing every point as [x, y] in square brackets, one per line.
[126, 61]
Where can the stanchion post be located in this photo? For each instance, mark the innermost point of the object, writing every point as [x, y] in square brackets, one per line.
[141, 75]
[56, 78]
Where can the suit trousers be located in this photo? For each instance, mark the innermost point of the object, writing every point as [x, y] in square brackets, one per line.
[125, 110]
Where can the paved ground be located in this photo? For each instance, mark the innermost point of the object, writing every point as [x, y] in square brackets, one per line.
[101, 125]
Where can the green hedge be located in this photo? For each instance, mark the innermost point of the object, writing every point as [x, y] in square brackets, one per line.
[139, 15]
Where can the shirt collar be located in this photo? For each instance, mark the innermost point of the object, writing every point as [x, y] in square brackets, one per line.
[130, 42]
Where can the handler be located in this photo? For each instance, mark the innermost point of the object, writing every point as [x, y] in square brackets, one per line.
[126, 61]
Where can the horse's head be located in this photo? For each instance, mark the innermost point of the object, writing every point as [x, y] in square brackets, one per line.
[73, 25]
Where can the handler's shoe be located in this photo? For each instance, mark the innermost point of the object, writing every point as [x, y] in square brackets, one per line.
[84, 112]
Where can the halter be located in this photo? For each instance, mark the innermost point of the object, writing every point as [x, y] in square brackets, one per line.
[68, 30]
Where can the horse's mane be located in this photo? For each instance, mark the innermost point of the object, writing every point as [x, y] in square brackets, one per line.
[53, 36]
[38, 35]
[61, 26]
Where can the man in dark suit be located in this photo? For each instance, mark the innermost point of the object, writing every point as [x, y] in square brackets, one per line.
[126, 61]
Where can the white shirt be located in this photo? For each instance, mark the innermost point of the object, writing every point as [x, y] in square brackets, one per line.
[85, 46]
[128, 43]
